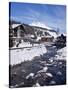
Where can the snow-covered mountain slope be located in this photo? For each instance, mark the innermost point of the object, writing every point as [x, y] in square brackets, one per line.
[39, 24]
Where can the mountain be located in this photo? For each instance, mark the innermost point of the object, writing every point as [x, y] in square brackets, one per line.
[39, 24]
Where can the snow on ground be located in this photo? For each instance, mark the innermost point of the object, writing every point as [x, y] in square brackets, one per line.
[25, 44]
[49, 74]
[38, 38]
[61, 54]
[20, 55]
[36, 85]
[22, 45]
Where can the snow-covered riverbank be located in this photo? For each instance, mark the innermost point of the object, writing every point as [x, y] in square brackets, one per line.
[61, 54]
[20, 55]
[48, 68]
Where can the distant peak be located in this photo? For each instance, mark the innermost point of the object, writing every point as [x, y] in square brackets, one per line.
[40, 24]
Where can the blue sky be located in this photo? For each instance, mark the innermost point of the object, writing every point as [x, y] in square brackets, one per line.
[51, 15]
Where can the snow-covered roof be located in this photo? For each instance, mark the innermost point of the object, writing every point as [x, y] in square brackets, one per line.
[15, 25]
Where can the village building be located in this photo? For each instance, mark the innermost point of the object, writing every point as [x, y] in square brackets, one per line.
[18, 32]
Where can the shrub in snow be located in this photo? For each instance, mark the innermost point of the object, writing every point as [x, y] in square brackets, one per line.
[60, 41]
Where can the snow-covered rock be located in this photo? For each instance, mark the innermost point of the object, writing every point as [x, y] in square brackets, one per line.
[36, 85]
[52, 82]
[30, 75]
[43, 70]
[49, 74]
[51, 59]
[60, 63]
[38, 38]
[25, 44]
[32, 36]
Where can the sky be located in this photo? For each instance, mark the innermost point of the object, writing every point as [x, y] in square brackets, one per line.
[51, 15]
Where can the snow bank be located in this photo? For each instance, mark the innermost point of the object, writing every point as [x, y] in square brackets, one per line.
[61, 54]
[21, 55]
[25, 44]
